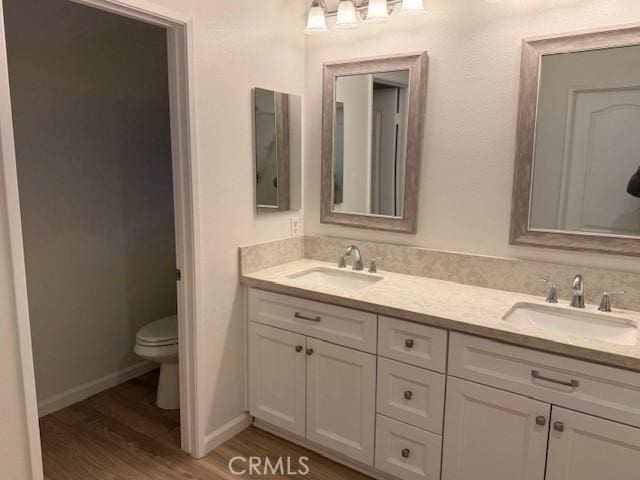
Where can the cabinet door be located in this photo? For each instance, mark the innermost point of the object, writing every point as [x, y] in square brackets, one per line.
[490, 434]
[341, 389]
[277, 377]
[582, 447]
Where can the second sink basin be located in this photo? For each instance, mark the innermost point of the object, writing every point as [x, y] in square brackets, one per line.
[581, 324]
[342, 279]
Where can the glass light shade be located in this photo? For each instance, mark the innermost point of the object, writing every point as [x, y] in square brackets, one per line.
[346, 15]
[316, 22]
[378, 11]
[412, 7]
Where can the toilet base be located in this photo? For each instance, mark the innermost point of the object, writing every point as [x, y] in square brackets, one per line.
[168, 397]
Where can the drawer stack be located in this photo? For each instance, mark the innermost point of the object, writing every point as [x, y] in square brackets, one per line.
[410, 399]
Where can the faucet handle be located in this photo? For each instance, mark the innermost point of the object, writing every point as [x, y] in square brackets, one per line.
[552, 296]
[373, 264]
[605, 303]
[342, 260]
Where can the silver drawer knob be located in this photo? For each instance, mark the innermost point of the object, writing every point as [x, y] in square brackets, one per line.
[540, 420]
[408, 343]
[298, 348]
[408, 395]
[405, 453]
[309, 351]
[558, 426]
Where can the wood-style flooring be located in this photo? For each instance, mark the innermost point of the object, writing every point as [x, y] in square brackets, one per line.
[120, 434]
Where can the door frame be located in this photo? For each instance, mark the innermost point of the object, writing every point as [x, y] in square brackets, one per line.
[181, 60]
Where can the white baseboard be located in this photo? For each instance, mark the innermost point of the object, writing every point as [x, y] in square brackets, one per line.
[229, 430]
[79, 393]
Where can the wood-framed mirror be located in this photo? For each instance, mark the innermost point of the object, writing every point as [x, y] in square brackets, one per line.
[577, 168]
[372, 131]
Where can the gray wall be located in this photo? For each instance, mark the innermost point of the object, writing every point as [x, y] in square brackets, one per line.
[91, 116]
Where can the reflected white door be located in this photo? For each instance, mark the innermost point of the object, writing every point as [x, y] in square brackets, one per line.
[602, 153]
[383, 150]
[590, 448]
[277, 377]
[341, 399]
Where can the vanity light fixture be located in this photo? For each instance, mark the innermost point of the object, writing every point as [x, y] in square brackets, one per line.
[316, 20]
[412, 7]
[346, 16]
[378, 11]
[372, 11]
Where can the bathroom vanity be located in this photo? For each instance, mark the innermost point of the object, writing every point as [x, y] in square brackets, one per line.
[414, 378]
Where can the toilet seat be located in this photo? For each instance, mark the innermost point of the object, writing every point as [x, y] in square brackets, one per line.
[158, 342]
[161, 333]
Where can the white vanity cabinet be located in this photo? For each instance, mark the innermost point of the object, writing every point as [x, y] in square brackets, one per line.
[491, 434]
[583, 447]
[341, 410]
[310, 384]
[403, 400]
[536, 434]
[277, 376]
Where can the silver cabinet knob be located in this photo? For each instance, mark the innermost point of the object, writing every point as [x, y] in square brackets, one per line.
[405, 453]
[541, 421]
[409, 343]
[309, 351]
[558, 426]
[298, 348]
[408, 395]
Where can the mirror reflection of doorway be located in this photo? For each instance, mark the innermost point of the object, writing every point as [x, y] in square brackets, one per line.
[385, 143]
[388, 144]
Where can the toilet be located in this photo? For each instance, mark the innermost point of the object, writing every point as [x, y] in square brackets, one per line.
[158, 342]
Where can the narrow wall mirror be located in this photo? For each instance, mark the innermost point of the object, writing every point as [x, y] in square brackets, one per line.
[373, 121]
[278, 150]
[577, 172]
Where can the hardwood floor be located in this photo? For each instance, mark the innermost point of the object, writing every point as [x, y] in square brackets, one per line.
[120, 434]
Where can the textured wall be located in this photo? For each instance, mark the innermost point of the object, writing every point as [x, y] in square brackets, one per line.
[467, 166]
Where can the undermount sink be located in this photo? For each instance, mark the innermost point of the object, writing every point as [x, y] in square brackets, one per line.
[573, 323]
[342, 279]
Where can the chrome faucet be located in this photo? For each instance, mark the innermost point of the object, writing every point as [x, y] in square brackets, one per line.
[353, 251]
[577, 300]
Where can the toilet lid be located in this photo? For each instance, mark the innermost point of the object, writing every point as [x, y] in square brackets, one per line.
[163, 331]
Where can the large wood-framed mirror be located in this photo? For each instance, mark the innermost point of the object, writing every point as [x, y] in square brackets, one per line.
[372, 131]
[577, 169]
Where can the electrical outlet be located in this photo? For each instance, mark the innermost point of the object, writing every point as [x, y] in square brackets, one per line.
[295, 226]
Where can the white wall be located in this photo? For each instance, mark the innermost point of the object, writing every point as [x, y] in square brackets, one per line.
[90, 105]
[238, 44]
[467, 166]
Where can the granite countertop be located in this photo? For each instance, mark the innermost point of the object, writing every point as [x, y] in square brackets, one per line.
[454, 306]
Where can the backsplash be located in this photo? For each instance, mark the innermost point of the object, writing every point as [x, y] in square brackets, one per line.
[269, 254]
[481, 271]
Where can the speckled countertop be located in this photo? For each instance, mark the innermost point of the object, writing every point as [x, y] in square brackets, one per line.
[454, 306]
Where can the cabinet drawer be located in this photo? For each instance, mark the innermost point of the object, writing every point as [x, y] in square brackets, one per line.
[604, 391]
[411, 394]
[412, 343]
[342, 326]
[407, 452]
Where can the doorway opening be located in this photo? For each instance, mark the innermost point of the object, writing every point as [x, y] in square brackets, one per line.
[101, 119]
